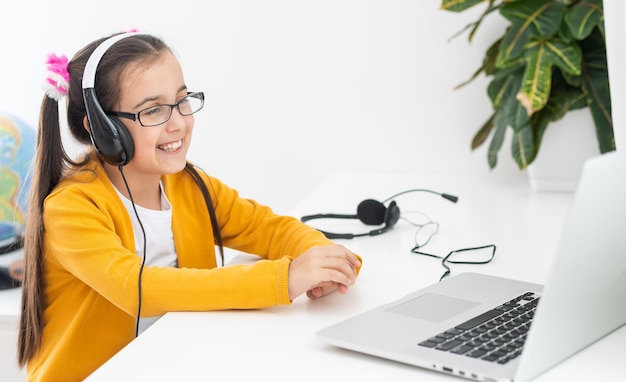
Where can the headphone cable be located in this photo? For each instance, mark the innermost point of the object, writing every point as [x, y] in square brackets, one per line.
[449, 197]
[145, 244]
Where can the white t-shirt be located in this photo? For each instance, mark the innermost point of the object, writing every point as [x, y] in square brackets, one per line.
[160, 249]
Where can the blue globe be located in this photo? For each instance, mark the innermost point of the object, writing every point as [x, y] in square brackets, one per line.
[17, 151]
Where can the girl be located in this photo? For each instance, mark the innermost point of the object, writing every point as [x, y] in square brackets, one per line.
[128, 233]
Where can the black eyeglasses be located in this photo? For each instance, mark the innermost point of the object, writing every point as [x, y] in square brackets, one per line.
[159, 114]
[481, 255]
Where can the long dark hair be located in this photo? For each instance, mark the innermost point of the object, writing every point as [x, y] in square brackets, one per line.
[52, 162]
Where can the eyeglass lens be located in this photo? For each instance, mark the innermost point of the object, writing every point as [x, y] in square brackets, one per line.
[159, 114]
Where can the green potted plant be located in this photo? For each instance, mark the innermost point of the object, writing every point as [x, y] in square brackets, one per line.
[551, 59]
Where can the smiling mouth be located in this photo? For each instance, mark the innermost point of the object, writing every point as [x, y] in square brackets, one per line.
[172, 146]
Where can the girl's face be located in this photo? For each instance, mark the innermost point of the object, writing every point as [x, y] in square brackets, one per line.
[160, 149]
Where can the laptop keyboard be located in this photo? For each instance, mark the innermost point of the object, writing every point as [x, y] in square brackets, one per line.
[495, 336]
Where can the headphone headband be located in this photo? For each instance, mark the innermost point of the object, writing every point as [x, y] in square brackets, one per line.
[89, 75]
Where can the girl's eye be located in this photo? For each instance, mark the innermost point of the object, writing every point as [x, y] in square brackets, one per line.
[151, 112]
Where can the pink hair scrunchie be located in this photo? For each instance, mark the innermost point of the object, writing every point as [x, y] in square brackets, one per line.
[58, 78]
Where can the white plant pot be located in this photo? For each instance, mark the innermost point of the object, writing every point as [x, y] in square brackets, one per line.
[566, 145]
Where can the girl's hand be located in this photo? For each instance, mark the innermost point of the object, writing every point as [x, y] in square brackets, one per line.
[322, 270]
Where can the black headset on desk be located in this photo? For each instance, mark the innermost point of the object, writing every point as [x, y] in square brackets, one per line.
[373, 212]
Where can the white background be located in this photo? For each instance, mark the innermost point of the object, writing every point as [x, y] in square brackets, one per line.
[295, 89]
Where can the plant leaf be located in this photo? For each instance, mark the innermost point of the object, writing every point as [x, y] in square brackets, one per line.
[510, 113]
[523, 145]
[529, 18]
[541, 56]
[595, 83]
[583, 17]
[482, 134]
[495, 145]
[504, 86]
[460, 5]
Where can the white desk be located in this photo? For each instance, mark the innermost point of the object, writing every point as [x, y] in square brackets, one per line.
[10, 301]
[279, 343]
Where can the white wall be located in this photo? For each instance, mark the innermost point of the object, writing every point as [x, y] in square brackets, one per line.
[295, 89]
[614, 15]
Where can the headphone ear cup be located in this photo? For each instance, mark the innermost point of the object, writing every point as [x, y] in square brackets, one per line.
[126, 142]
[371, 212]
[113, 142]
[392, 214]
[109, 135]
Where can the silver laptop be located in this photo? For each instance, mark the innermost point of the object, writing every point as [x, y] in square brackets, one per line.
[489, 328]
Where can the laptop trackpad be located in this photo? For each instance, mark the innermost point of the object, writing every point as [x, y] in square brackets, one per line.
[433, 307]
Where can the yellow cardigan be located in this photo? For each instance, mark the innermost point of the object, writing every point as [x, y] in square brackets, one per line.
[91, 267]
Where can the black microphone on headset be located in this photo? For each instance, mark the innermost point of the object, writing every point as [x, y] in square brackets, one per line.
[373, 212]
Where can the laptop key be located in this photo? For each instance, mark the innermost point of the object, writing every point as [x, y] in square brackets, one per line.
[454, 331]
[477, 353]
[445, 335]
[449, 345]
[472, 323]
[437, 339]
[428, 344]
[462, 349]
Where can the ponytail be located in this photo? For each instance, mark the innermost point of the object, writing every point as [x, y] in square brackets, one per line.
[50, 164]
